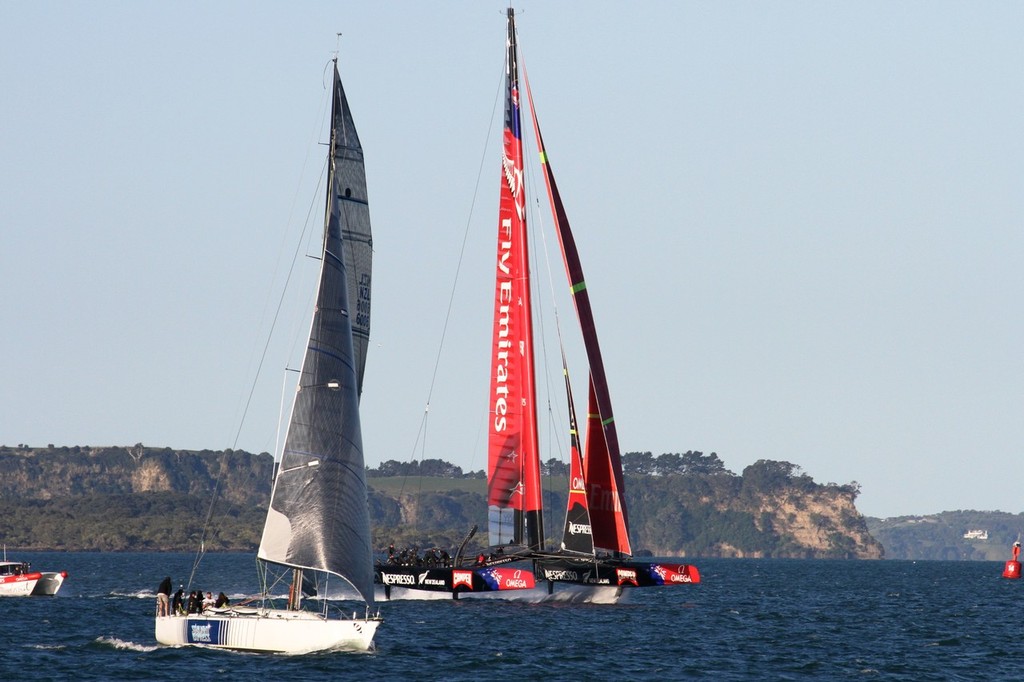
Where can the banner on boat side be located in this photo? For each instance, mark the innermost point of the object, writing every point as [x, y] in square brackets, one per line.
[455, 579]
[431, 579]
[674, 575]
[204, 631]
[462, 579]
[507, 578]
[583, 575]
[625, 574]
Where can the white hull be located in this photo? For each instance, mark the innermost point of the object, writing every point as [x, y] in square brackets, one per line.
[270, 630]
[17, 579]
[49, 584]
[17, 587]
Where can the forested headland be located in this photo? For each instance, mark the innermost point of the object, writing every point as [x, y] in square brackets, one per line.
[138, 498]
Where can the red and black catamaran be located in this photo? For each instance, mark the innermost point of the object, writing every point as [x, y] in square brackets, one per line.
[595, 549]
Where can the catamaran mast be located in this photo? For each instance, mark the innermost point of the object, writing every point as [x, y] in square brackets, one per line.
[515, 509]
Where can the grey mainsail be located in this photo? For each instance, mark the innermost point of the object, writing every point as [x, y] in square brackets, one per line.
[350, 210]
[318, 517]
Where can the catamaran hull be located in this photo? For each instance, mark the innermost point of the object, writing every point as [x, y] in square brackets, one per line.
[617, 573]
[49, 583]
[455, 581]
[271, 630]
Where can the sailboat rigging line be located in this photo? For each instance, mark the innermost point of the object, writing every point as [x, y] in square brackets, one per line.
[458, 268]
[317, 132]
[280, 414]
[277, 314]
[259, 369]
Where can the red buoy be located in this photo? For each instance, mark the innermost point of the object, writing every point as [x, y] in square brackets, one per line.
[1012, 568]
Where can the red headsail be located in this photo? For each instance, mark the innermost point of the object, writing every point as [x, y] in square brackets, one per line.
[602, 463]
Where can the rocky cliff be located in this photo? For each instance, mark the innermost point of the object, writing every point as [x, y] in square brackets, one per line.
[823, 523]
[54, 473]
[142, 498]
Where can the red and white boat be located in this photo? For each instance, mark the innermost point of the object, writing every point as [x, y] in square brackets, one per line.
[17, 579]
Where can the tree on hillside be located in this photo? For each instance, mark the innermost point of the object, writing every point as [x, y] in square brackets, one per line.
[768, 475]
[554, 467]
[439, 468]
[690, 462]
[641, 463]
[427, 467]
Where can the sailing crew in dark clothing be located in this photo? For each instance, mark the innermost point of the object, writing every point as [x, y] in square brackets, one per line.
[222, 601]
[163, 597]
[195, 601]
[176, 604]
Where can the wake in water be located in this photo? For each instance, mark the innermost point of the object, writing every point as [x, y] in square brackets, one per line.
[577, 594]
[123, 645]
[141, 594]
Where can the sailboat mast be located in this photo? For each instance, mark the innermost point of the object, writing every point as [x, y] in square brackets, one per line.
[514, 487]
[318, 517]
[295, 590]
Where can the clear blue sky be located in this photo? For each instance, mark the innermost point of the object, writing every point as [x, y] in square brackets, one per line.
[802, 224]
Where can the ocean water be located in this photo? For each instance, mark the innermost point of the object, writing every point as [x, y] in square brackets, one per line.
[747, 620]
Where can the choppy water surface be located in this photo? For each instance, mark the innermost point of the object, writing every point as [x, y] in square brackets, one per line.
[748, 620]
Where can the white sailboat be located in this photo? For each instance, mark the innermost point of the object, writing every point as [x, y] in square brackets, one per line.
[318, 521]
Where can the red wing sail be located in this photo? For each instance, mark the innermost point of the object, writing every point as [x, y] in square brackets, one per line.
[606, 493]
[514, 518]
[505, 487]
